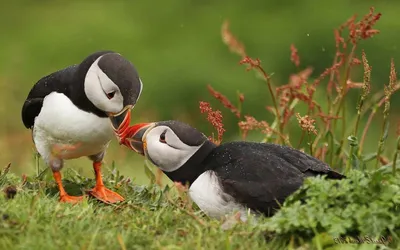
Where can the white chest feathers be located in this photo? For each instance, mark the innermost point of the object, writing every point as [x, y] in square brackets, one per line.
[207, 193]
[62, 124]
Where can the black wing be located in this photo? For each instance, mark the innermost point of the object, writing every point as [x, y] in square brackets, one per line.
[59, 81]
[258, 175]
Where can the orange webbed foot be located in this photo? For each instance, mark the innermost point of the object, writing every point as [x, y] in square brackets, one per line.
[105, 195]
[100, 191]
[71, 199]
[64, 197]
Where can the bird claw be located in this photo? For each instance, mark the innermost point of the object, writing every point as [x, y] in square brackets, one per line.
[105, 195]
[71, 199]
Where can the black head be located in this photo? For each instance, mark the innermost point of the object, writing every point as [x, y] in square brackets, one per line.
[122, 72]
[168, 144]
[111, 84]
[185, 133]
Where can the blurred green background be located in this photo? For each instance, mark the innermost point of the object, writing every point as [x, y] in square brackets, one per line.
[176, 47]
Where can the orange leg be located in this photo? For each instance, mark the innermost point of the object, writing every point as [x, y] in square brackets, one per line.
[64, 197]
[100, 191]
[159, 176]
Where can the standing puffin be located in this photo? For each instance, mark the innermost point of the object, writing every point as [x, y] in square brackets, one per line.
[233, 176]
[75, 112]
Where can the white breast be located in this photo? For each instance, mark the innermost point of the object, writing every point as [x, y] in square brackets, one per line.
[60, 122]
[207, 193]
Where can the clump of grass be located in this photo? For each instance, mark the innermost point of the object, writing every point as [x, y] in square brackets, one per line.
[151, 217]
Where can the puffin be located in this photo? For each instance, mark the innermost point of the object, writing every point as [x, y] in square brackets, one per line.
[237, 176]
[76, 111]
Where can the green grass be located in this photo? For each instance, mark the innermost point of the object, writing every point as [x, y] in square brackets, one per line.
[162, 218]
[35, 219]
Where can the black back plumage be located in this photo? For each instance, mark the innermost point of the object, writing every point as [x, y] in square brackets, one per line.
[68, 81]
[55, 82]
[261, 175]
[258, 175]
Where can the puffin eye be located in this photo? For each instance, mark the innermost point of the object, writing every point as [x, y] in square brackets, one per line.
[162, 137]
[110, 95]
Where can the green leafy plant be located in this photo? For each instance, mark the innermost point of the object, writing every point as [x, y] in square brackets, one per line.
[360, 205]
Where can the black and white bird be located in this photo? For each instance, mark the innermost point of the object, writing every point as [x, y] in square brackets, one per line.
[232, 176]
[75, 112]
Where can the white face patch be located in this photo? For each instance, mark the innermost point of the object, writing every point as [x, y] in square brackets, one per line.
[141, 88]
[97, 85]
[171, 154]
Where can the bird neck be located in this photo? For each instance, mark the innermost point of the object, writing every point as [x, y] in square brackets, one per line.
[194, 167]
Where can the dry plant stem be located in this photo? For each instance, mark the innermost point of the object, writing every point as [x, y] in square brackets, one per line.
[394, 163]
[343, 140]
[327, 129]
[278, 116]
[267, 78]
[365, 91]
[316, 142]
[342, 102]
[283, 137]
[292, 105]
[368, 106]
[395, 156]
[368, 124]
[389, 90]
[381, 141]
[323, 152]
[121, 242]
[328, 126]
[331, 78]
[349, 160]
[256, 64]
[357, 121]
[310, 143]
[331, 143]
[303, 133]
[240, 111]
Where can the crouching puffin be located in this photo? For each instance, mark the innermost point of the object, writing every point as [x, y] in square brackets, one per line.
[75, 112]
[232, 176]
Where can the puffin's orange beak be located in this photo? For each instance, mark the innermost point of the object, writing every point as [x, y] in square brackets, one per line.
[134, 137]
[120, 122]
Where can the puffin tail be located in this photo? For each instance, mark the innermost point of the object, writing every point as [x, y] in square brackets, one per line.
[335, 175]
